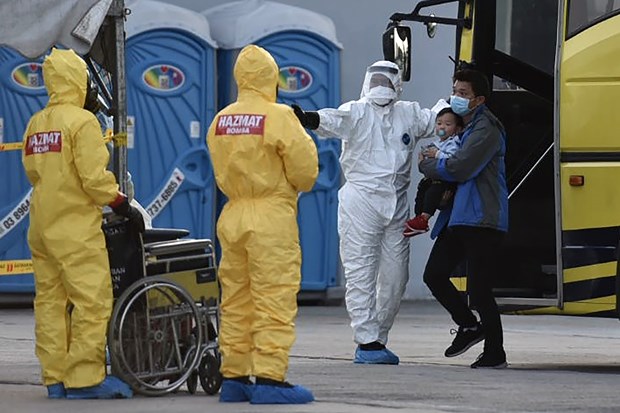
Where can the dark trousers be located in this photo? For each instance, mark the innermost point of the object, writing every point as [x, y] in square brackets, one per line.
[476, 246]
[429, 195]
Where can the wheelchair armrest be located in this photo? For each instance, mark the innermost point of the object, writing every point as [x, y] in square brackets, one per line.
[181, 255]
[163, 234]
[178, 246]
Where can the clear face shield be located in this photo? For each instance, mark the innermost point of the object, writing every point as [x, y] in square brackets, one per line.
[380, 85]
[380, 80]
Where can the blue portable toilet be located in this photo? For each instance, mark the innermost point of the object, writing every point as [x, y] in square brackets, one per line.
[22, 93]
[305, 46]
[171, 100]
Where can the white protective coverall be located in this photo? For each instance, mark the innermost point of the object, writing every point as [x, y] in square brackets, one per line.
[376, 159]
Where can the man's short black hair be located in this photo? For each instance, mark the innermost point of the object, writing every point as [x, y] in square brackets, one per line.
[459, 120]
[478, 81]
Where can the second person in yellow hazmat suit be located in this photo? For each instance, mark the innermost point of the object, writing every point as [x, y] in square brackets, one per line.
[262, 158]
[65, 160]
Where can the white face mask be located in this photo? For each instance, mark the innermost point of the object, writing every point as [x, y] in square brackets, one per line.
[381, 101]
[381, 95]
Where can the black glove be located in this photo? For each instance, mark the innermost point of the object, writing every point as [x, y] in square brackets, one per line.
[134, 216]
[308, 119]
[121, 206]
[136, 220]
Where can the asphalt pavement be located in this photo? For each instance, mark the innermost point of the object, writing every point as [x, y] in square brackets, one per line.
[557, 364]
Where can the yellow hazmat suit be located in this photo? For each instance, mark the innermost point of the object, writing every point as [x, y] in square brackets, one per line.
[65, 161]
[262, 158]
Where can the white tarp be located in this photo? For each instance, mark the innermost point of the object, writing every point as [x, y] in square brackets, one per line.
[33, 26]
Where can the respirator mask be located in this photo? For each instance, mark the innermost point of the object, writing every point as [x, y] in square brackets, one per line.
[91, 103]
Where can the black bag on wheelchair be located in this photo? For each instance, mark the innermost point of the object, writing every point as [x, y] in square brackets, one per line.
[125, 253]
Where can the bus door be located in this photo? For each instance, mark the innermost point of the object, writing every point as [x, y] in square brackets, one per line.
[589, 155]
[555, 70]
[514, 43]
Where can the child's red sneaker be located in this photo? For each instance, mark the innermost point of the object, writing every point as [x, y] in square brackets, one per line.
[415, 226]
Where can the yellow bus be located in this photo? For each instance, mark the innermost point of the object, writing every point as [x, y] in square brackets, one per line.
[555, 70]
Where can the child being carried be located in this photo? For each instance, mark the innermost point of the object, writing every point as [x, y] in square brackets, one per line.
[431, 194]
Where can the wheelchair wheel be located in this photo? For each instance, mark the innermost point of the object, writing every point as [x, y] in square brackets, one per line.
[153, 339]
[192, 382]
[209, 373]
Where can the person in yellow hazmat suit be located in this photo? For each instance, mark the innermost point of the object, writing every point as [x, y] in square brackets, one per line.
[262, 158]
[65, 160]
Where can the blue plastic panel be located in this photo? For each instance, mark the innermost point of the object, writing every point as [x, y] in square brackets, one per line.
[309, 76]
[22, 93]
[171, 100]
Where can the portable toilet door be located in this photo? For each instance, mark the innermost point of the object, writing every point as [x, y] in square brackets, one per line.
[305, 47]
[22, 93]
[171, 100]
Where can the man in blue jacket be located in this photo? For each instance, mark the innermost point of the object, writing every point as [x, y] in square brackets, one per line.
[474, 227]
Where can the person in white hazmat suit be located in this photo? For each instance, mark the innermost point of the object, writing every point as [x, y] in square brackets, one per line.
[379, 133]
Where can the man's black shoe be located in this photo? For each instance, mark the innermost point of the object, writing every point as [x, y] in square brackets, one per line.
[465, 338]
[490, 361]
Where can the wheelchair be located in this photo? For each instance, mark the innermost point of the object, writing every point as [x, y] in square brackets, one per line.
[163, 329]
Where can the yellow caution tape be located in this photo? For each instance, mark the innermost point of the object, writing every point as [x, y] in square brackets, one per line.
[120, 139]
[15, 267]
[108, 136]
[11, 146]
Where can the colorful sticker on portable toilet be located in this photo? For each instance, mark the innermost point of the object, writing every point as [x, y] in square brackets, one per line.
[294, 79]
[163, 78]
[28, 75]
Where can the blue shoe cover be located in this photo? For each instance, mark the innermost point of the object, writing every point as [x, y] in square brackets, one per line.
[110, 388]
[269, 394]
[384, 356]
[393, 356]
[234, 391]
[56, 391]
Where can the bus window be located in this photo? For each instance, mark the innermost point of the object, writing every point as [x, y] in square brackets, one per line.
[522, 23]
[585, 13]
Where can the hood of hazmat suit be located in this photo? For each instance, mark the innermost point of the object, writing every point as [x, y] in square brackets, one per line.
[65, 160]
[262, 158]
[382, 83]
